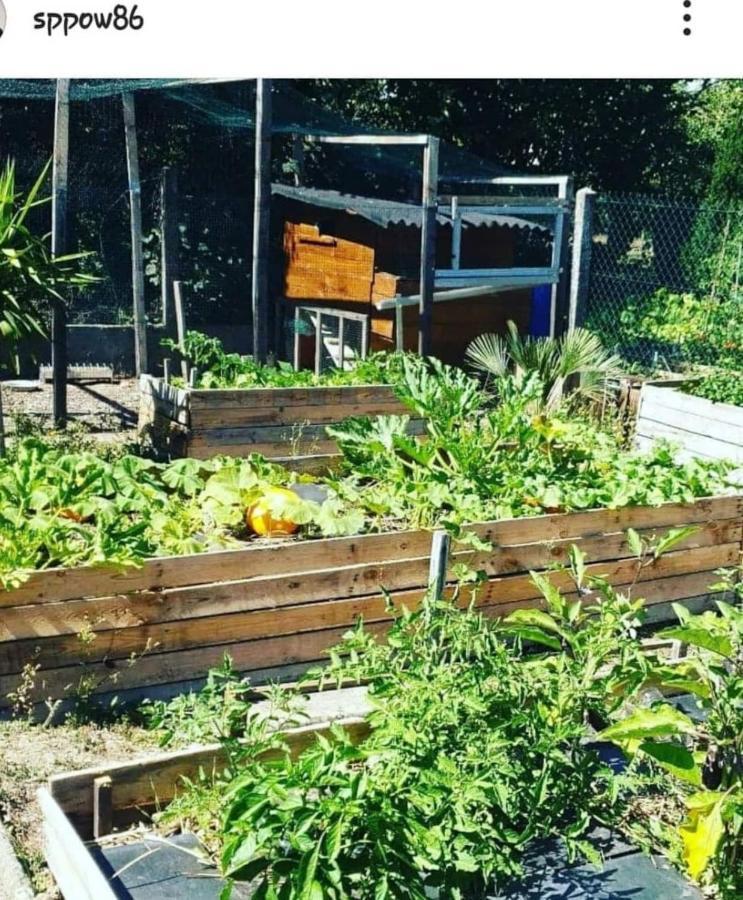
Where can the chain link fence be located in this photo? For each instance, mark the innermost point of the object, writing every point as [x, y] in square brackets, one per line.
[665, 282]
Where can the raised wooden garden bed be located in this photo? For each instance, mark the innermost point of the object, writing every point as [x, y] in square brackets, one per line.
[92, 804]
[700, 427]
[277, 422]
[99, 843]
[283, 604]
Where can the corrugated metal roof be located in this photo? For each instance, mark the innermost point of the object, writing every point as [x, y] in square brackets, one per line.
[393, 212]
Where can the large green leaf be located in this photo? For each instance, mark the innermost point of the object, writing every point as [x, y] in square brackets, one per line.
[674, 758]
[699, 636]
[658, 721]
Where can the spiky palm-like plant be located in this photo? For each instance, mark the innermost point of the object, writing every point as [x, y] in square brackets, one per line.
[577, 361]
[30, 277]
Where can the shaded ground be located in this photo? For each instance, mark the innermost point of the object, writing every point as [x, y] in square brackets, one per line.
[103, 407]
[29, 755]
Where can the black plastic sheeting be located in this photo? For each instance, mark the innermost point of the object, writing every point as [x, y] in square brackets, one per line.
[154, 870]
[158, 869]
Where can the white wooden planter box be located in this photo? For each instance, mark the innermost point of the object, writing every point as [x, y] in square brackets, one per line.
[699, 427]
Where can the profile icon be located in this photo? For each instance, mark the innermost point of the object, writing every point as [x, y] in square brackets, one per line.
[2, 18]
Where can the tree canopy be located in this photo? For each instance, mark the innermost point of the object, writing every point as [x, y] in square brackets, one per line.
[621, 135]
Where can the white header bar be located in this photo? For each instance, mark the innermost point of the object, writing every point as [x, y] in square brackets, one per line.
[392, 38]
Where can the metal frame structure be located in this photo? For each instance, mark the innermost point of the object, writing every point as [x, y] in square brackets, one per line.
[429, 205]
[343, 316]
[455, 283]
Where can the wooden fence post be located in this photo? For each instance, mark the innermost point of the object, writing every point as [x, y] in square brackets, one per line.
[429, 209]
[580, 275]
[135, 206]
[60, 168]
[261, 219]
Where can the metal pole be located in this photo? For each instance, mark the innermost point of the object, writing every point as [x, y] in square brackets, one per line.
[440, 547]
[561, 290]
[429, 204]
[180, 326]
[297, 319]
[135, 212]
[60, 168]
[580, 274]
[261, 218]
[456, 233]
[169, 246]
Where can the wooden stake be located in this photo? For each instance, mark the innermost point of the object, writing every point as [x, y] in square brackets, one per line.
[60, 168]
[261, 218]
[169, 246]
[428, 243]
[135, 207]
[102, 807]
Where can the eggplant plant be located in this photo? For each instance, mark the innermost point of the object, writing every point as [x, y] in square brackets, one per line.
[704, 754]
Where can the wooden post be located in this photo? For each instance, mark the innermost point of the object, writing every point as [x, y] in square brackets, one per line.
[561, 291]
[429, 201]
[261, 218]
[135, 207]
[169, 246]
[60, 168]
[180, 326]
[440, 546]
[580, 272]
[102, 806]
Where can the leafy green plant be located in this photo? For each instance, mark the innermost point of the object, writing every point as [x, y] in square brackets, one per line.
[218, 369]
[719, 387]
[705, 756]
[218, 711]
[683, 328]
[29, 276]
[575, 363]
[476, 748]
[60, 508]
[498, 461]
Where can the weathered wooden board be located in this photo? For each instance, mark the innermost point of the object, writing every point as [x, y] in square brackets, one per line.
[700, 428]
[50, 619]
[70, 818]
[279, 615]
[276, 422]
[298, 556]
[278, 604]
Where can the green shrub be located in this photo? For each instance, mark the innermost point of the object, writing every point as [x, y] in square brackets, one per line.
[475, 750]
[218, 369]
[720, 387]
[685, 327]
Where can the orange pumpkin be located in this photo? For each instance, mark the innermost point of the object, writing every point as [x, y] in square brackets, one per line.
[263, 522]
